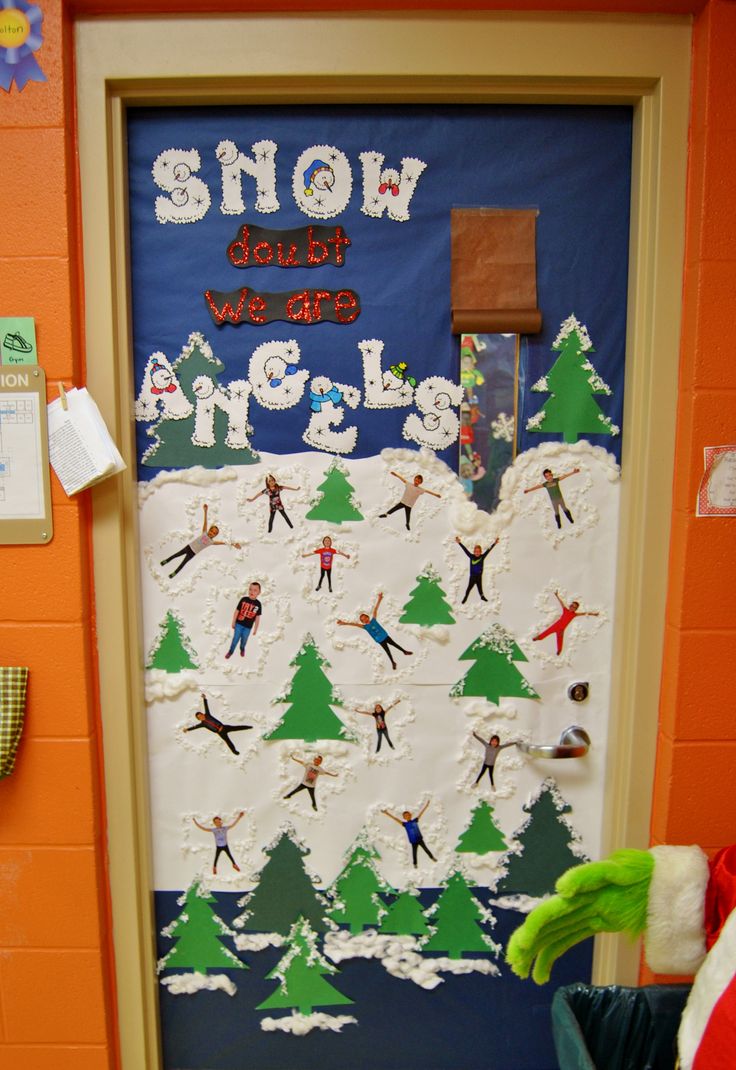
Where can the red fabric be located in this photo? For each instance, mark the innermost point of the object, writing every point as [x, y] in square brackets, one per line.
[716, 1048]
[720, 895]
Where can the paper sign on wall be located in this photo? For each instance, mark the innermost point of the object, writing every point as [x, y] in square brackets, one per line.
[717, 491]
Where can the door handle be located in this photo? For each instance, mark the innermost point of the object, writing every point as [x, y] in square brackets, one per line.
[574, 743]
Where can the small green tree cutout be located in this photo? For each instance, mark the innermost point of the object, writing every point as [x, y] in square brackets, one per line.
[301, 975]
[198, 934]
[457, 917]
[572, 382]
[172, 650]
[405, 917]
[427, 604]
[494, 673]
[482, 834]
[283, 892]
[311, 697]
[541, 851]
[357, 890]
[335, 504]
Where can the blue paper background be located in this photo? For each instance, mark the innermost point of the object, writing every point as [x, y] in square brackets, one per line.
[572, 163]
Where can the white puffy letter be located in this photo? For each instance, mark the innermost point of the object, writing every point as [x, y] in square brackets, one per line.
[189, 197]
[322, 182]
[261, 166]
[385, 190]
[439, 425]
[272, 372]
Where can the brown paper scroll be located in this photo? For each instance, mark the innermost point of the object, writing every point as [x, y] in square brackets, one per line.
[494, 271]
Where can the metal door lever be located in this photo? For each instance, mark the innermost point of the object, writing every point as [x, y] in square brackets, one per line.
[574, 743]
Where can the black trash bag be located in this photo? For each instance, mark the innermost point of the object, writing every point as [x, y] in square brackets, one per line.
[616, 1028]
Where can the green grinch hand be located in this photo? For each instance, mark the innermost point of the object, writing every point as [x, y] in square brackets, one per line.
[607, 896]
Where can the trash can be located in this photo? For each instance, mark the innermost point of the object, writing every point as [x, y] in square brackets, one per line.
[616, 1028]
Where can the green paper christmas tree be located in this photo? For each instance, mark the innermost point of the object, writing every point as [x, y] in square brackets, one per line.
[172, 650]
[427, 604]
[198, 933]
[301, 975]
[457, 917]
[357, 890]
[494, 673]
[405, 917]
[542, 846]
[284, 892]
[482, 834]
[572, 382]
[336, 504]
[311, 696]
[172, 445]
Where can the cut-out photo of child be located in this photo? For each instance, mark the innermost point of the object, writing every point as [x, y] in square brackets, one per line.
[246, 618]
[207, 537]
[551, 483]
[275, 504]
[377, 632]
[312, 772]
[412, 492]
[220, 831]
[326, 554]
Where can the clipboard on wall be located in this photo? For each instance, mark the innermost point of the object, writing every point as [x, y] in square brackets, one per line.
[25, 486]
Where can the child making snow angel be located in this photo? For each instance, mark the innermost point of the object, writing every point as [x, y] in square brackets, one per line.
[552, 485]
[378, 713]
[212, 724]
[565, 619]
[312, 770]
[477, 563]
[413, 832]
[492, 748]
[376, 631]
[207, 537]
[412, 491]
[275, 505]
[326, 553]
[220, 832]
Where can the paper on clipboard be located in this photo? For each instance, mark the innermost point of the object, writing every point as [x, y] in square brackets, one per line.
[81, 450]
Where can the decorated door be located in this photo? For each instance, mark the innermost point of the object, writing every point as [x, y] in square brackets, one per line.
[377, 569]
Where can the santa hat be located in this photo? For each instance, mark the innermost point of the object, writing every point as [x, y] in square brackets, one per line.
[691, 928]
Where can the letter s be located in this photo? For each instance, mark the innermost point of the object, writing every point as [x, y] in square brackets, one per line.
[189, 196]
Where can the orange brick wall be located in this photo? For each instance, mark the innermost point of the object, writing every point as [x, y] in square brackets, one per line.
[56, 987]
[55, 958]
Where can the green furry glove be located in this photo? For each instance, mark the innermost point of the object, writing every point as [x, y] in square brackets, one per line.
[607, 896]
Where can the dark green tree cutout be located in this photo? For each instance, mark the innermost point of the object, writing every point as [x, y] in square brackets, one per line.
[427, 604]
[572, 381]
[541, 851]
[310, 697]
[198, 934]
[405, 917]
[173, 445]
[335, 504]
[456, 918]
[494, 673]
[172, 650]
[357, 890]
[301, 975]
[482, 834]
[283, 892]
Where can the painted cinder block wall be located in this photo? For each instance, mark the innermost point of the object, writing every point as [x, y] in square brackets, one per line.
[57, 999]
